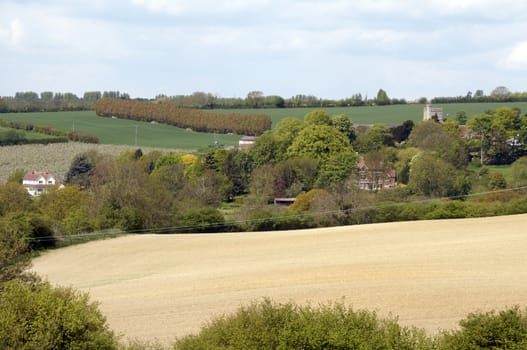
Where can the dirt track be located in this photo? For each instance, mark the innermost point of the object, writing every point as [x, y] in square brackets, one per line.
[430, 273]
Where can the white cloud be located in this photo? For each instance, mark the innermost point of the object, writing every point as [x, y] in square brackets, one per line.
[517, 57]
[187, 45]
[199, 7]
[14, 33]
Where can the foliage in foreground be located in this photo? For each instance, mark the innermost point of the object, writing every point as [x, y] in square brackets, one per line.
[268, 325]
[505, 329]
[39, 316]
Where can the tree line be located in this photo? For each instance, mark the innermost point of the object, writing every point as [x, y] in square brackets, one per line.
[500, 94]
[48, 101]
[197, 120]
[257, 99]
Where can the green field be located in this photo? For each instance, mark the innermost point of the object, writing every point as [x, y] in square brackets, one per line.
[141, 134]
[389, 115]
[30, 135]
[123, 132]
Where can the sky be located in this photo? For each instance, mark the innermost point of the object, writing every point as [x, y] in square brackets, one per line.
[329, 49]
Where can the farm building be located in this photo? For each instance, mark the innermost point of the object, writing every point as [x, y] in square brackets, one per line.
[36, 182]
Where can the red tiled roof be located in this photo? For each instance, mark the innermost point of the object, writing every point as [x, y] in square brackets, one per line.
[35, 175]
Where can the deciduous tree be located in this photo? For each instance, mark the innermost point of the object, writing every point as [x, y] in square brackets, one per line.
[432, 176]
[317, 117]
[373, 138]
[382, 98]
[344, 124]
[14, 197]
[319, 142]
[444, 139]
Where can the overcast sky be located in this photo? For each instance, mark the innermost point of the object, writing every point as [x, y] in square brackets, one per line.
[330, 49]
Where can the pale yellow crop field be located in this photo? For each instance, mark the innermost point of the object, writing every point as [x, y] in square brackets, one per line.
[54, 157]
[430, 273]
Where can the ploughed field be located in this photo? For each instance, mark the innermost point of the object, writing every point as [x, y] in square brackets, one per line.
[429, 273]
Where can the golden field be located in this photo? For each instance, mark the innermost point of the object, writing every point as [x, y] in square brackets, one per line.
[54, 157]
[429, 273]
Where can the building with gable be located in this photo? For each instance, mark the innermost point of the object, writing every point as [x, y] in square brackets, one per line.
[36, 182]
[376, 178]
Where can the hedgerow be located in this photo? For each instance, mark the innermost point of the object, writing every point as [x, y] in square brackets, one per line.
[60, 135]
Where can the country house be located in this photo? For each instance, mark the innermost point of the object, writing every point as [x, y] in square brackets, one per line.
[36, 182]
[376, 178]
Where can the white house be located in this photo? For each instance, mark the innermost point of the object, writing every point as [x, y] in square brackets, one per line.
[36, 182]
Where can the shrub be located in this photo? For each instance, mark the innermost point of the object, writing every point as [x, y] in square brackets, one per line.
[38, 316]
[502, 196]
[80, 137]
[506, 329]
[304, 201]
[447, 210]
[389, 211]
[261, 221]
[519, 172]
[267, 325]
[202, 220]
[497, 181]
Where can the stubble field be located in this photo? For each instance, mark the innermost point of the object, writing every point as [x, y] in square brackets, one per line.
[55, 157]
[429, 273]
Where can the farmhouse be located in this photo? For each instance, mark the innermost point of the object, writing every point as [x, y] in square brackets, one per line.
[376, 178]
[432, 113]
[246, 142]
[36, 182]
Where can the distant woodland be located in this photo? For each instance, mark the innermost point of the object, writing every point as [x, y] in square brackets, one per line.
[48, 101]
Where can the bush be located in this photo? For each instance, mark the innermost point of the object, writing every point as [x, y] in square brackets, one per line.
[202, 220]
[447, 210]
[519, 172]
[267, 325]
[506, 329]
[497, 181]
[304, 201]
[501, 196]
[79, 137]
[38, 316]
[261, 221]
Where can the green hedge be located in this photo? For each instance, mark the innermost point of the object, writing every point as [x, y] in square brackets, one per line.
[60, 136]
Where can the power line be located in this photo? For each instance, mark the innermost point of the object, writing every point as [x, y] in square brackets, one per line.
[189, 228]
